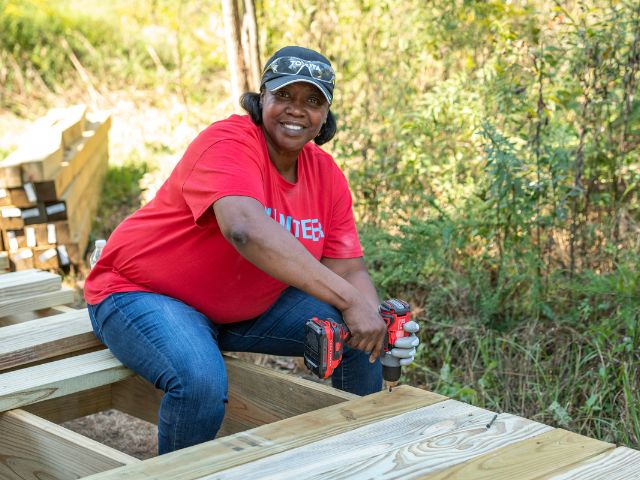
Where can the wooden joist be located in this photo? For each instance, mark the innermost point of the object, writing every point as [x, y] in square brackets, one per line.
[28, 282]
[35, 302]
[44, 338]
[74, 405]
[281, 436]
[32, 447]
[59, 378]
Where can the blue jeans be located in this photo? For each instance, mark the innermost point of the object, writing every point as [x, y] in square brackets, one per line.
[177, 349]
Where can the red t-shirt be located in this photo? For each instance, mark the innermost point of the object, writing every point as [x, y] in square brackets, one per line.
[173, 245]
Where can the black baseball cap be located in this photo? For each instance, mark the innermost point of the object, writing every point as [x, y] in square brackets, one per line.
[298, 64]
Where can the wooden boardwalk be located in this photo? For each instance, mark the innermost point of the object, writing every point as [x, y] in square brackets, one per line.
[277, 426]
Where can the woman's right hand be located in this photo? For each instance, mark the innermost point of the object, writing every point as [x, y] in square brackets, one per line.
[367, 328]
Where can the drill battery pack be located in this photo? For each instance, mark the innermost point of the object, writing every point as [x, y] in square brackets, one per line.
[323, 346]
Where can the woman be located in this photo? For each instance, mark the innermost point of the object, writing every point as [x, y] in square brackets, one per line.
[204, 267]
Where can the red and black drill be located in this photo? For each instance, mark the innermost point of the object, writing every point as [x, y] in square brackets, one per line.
[324, 341]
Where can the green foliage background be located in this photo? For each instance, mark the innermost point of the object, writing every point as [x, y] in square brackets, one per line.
[492, 148]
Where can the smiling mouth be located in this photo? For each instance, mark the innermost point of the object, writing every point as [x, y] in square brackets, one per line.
[292, 127]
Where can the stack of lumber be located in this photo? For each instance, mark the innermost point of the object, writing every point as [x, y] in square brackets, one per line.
[50, 188]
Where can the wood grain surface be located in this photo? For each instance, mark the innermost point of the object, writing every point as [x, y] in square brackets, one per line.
[47, 337]
[59, 378]
[35, 302]
[281, 436]
[528, 459]
[621, 463]
[404, 446]
[31, 446]
[27, 282]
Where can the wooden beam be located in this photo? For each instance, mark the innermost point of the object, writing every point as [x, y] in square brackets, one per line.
[617, 464]
[75, 405]
[28, 282]
[77, 155]
[28, 316]
[56, 379]
[527, 460]
[137, 397]
[404, 446]
[257, 395]
[35, 302]
[282, 436]
[44, 338]
[31, 446]
[260, 395]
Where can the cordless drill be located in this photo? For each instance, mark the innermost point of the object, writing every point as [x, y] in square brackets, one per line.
[324, 341]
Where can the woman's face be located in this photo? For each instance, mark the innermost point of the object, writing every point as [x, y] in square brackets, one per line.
[293, 115]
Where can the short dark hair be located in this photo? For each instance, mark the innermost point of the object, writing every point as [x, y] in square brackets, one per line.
[250, 102]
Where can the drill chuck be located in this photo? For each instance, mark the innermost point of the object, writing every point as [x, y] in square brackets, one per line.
[391, 368]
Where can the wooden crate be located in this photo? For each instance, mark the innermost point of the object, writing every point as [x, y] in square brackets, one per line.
[277, 426]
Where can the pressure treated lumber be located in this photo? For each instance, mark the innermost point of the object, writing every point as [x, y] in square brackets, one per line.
[528, 459]
[404, 446]
[77, 155]
[257, 396]
[44, 338]
[75, 405]
[267, 440]
[30, 445]
[27, 282]
[621, 463]
[35, 302]
[59, 378]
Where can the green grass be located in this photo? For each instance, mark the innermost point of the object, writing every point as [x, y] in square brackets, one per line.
[120, 196]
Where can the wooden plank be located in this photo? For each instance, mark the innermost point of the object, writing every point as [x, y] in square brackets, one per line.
[39, 154]
[28, 316]
[137, 397]
[28, 282]
[45, 338]
[404, 446]
[528, 459]
[75, 405]
[10, 172]
[75, 157]
[35, 302]
[70, 122]
[31, 446]
[59, 378]
[81, 219]
[257, 396]
[261, 442]
[621, 463]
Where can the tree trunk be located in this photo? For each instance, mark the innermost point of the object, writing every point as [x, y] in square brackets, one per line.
[235, 57]
[251, 46]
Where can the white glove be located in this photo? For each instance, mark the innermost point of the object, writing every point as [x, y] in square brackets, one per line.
[405, 348]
